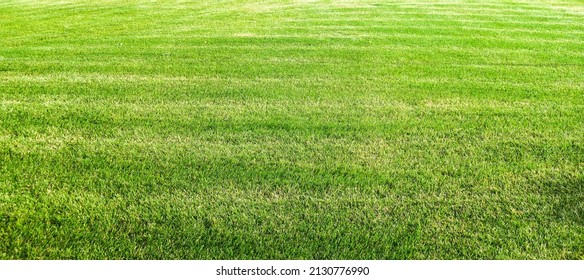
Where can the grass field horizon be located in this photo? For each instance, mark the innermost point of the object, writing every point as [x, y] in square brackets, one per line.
[292, 129]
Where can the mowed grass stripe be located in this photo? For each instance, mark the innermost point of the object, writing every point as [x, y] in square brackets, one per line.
[298, 56]
[155, 47]
[325, 86]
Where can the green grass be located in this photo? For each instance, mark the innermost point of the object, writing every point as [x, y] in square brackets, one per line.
[292, 129]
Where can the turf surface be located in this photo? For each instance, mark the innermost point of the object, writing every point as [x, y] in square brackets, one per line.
[292, 129]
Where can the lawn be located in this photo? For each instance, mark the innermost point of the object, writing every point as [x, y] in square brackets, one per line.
[280, 129]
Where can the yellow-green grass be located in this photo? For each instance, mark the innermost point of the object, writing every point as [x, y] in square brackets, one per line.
[292, 129]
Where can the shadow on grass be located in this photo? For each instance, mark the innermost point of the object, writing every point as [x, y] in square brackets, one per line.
[566, 196]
